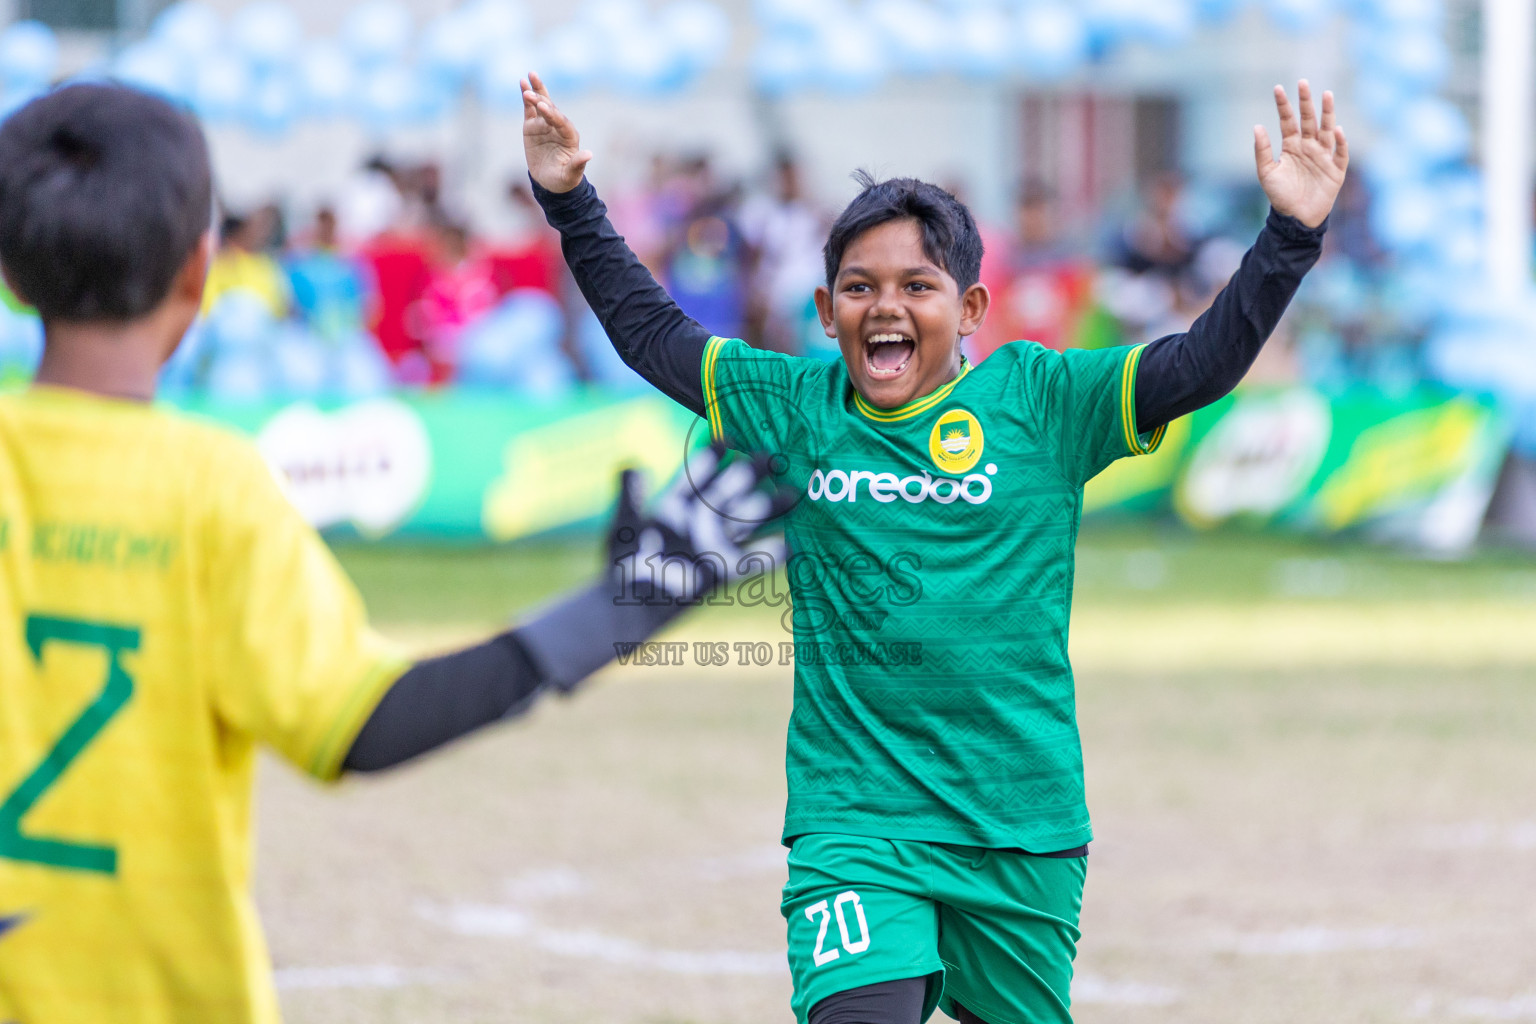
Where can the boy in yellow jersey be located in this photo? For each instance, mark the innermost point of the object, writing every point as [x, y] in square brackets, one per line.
[164, 610]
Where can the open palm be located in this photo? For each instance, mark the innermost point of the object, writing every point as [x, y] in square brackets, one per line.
[550, 141]
[1306, 179]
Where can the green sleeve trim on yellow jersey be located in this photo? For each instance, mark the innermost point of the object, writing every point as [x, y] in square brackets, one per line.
[711, 397]
[360, 704]
[1133, 442]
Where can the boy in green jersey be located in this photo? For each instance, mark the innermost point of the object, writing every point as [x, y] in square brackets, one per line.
[936, 818]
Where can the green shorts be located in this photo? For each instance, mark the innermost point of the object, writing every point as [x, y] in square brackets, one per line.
[995, 930]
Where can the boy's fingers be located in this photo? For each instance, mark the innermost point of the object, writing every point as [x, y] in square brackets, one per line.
[1263, 155]
[538, 84]
[784, 499]
[1326, 127]
[1340, 148]
[534, 109]
[1308, 111]
[704, 467]
[747, 512]
[631, 494]
[1288, 125]
[552, 114]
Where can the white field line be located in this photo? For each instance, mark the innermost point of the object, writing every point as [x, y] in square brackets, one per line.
[1479, 835]
[493, 921]
[1330, 633]
[1334, 634]
[513, 920]
[762, 860]
[1477, 1008]
[1518, 1008]
[353, 976]
[1318, 939]
[548, 884]
[1088, 988]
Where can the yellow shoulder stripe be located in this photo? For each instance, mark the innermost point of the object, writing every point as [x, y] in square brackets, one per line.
[711, 397]
[1133, 442]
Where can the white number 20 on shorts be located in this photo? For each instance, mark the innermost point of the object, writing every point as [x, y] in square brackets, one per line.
[821, 955]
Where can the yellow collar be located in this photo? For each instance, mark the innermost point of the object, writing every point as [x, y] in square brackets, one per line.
[914, 407]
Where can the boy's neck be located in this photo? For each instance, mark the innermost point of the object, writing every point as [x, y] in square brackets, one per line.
[112, 360]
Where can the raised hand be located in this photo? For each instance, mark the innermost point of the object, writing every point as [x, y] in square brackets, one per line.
[550, 141]
[1305, 180]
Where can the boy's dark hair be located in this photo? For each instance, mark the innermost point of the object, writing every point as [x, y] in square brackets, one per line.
[105, 192]
[949, 233]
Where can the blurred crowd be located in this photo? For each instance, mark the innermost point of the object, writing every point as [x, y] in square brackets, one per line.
[386, 288]
[1152, 268]
[390, 288]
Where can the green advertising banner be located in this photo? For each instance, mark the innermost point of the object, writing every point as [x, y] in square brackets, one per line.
[1418, 469]
[460, 465]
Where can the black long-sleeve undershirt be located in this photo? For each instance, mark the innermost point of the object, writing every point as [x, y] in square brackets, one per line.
[1180, 373]
[648, 329]
[1177, 374]
[438, 700]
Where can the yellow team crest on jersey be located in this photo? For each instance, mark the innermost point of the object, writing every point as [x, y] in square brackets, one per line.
[956, 441]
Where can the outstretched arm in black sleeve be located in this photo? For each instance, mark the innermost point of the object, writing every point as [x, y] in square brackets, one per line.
[1180, 373]
[1183, 372]
[650, 332]
[703, 520]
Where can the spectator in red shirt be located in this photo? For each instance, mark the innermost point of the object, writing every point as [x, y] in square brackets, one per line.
[528, 254]
[461, 290]
[1041, 285]
[401, 272]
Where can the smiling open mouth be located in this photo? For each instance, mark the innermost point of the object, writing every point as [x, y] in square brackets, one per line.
[886, 355]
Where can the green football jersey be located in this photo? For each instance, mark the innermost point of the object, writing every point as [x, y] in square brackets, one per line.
[931, 572]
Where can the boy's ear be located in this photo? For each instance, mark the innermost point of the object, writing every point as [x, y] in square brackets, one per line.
[185, 299]
[824, 310]
[194, 272]
[973, 309]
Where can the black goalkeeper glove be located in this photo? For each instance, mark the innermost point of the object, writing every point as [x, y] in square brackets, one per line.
[703, 532]
[706, 528]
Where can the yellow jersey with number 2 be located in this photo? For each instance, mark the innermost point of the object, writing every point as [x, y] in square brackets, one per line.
[163, 609]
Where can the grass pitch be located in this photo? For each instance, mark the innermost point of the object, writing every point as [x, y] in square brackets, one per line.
[1312, 770]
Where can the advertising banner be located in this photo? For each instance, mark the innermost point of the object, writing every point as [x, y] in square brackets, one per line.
[458, 465]
[1418, 470]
